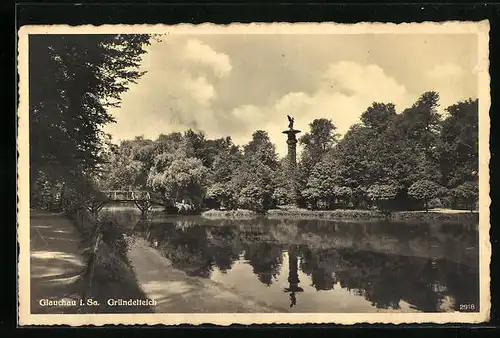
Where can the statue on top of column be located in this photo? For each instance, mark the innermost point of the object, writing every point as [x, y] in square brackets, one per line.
[290, 122]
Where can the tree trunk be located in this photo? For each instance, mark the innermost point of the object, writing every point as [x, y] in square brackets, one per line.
[61, 197]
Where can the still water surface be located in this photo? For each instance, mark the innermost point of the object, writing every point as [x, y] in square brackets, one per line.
[324, 266]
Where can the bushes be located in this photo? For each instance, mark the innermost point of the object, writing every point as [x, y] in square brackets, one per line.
[113, 235]
[467, 194]
[324, 214]
[328, 197]
[254, 198]
[383, 195]
[312, 196]
[239, 213]
[222, 194]
[425, 190]
[283, 196]
[109, 264]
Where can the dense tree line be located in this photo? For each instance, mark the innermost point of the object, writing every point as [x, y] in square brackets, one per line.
[401, 161]
[413, 159]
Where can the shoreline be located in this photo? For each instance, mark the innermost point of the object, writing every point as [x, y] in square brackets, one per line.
[348, 215]
[343, 215]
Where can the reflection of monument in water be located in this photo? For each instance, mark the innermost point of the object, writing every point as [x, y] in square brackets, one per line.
[292, 156]
[293, 276]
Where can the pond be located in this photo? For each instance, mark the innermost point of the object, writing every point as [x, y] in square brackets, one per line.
[324, 266]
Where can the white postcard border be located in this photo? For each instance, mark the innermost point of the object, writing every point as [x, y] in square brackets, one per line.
[453, 27]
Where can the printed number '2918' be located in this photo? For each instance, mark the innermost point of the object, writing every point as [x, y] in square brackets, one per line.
[467, 307]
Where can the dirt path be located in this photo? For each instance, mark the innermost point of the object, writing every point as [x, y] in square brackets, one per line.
[55, 261]
[175, 292]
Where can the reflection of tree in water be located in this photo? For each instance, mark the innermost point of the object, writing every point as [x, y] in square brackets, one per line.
[266, 260]
[320, 266]
[462, 282]
[187, 250]
[224, 257]
[196, 249]
[158, 233]
[224, 246]
[385, 280]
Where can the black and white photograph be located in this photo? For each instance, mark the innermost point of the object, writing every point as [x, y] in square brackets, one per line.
[260, 173]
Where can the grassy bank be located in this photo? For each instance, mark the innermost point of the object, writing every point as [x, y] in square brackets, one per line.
[348, 215]
[114, 278]
[231, 214]
[109, 274]
[444, 216]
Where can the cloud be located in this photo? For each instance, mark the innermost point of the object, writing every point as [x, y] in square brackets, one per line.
[343, 93]
[176, 93]
[362, 80]
[449, 80]
[200, 90]
[196, 51]
[445, 71]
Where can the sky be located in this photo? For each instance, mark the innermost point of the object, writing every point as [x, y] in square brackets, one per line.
[233, 85]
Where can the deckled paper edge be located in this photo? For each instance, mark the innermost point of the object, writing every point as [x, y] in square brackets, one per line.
[480, 28]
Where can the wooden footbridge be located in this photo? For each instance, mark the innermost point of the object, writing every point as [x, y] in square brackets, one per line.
[144, 200]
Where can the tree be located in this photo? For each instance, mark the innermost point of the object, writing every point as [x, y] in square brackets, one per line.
[227, 158]
[252, 197]
[425, 190]
[73, 80]
[421, 122]
[312, 195]
[320, 138]
[261, 149]
[459, 144]
[317, 142]
[127, 167]
[195, 146]
[282, 196]
[222, 194]
[420, 125]
[212, 149]
[253, 180]
[184, 180]
[253, 185]
[355, 162]
[383, 195]
[467, 193]
[378, 116]
[342, 193]
[324, 182]
[284, 187]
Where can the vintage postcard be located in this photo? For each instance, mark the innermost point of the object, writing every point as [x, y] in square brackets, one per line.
[254, 173]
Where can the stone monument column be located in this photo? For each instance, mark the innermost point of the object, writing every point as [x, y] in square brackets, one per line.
[292, 155]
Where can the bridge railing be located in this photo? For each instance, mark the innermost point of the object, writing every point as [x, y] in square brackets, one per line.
[131, 195]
